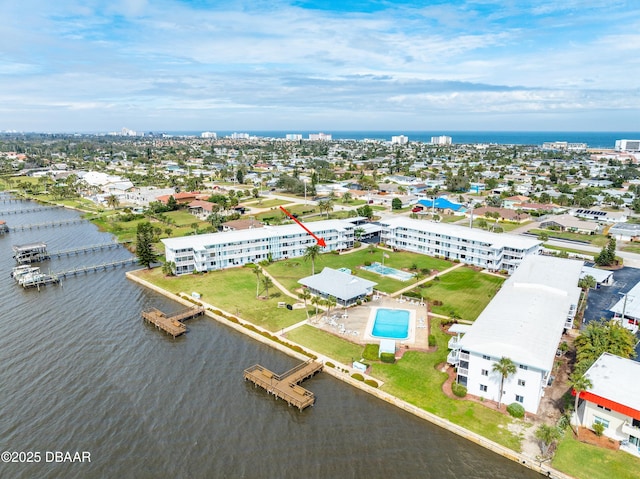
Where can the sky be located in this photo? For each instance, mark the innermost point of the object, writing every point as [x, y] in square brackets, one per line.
[303, 65]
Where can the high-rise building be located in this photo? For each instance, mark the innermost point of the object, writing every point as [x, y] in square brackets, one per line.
[293, 137]
[319, 137]
[441, 140]
[209, 134]
[399, 140]
[628, 145]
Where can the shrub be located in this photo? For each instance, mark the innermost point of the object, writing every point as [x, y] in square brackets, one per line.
[371, 352]
[358, 377]
[367, 263]
[515, 410]
[598, 428]
[371, 382]
[388, 358]
[459, 390]
[329, 364]
[432, 340]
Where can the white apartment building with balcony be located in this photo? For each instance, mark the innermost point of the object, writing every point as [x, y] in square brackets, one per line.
[210, 252]
[493, 251]
[523, 322]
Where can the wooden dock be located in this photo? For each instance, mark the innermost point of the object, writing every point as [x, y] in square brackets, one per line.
[84, 249]
[96, 267]
[286, 386]
[171, 324]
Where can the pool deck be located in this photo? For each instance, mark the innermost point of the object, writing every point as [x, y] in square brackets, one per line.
[353, 324]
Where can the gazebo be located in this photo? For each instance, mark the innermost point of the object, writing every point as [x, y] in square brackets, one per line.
[346, 288]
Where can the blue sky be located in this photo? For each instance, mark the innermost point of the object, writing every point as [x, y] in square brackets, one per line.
[178, 65]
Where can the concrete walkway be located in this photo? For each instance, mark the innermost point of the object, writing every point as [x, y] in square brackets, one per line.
[426, 280]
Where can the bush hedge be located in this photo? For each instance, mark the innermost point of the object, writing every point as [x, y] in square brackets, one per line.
[358, 377]
[371, 382]
[459, 390]
[388, 358]
[515, 410]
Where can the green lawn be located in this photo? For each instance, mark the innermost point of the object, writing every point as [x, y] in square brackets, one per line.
[275, 214]
[288, 272]
[184, 218]
[569, 250]
[506, 226]
[451, 218]
[266, 203]
[233, 290]
[464, 291]
[631, 248]
[416, 379]
[326, 343]
[590, 462]
[595, 240]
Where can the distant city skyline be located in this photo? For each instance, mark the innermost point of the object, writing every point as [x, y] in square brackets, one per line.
[169, 65]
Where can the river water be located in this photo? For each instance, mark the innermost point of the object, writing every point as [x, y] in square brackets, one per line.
[82, 372]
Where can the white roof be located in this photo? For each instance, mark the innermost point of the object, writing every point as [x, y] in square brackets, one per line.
[459, 328]
[498, 240]
[600, 275]
[616, 379]
[340, 285]
[632, 306]
[525, 320]
[200, 242]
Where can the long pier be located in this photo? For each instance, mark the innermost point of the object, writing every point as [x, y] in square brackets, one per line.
[48, 224]
[28, 210]
[172, 324]
[286, 386]
[84, 249]
[96, 267]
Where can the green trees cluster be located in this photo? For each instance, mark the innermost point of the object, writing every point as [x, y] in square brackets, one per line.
[599, 337]
[144, 244]
[607, 256]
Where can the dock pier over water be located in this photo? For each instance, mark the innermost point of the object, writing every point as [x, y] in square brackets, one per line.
[286, 386]
[172, 324]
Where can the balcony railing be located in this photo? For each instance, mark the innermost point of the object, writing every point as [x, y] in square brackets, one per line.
[631, 430]
[454, 343]
[464, 356]
[463, 372]
[452, 358]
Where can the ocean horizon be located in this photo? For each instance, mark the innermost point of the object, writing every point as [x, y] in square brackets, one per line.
[593, 139]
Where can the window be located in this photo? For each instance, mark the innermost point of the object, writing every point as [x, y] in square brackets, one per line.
[519, 398]
[485, 372]
[488, 358]
[599, 420]
[483, 388]
[522, 366]
[602, 407]
[521, 382]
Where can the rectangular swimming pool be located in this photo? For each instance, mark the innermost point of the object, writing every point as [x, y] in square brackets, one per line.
[391, 324]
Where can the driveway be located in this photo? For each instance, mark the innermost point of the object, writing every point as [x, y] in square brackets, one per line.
[602, 299]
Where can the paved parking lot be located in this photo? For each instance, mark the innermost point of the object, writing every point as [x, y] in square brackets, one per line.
[605, 297]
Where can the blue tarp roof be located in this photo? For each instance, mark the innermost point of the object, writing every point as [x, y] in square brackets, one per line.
[442, 203]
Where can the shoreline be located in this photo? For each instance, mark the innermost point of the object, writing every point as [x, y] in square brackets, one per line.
[336, 372]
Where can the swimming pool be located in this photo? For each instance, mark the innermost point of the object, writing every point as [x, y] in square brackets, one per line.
[390, 272]
[391, 324]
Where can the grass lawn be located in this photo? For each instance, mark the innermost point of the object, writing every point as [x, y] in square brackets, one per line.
[451, 218]
[266, 203]
[233, 290]
[569, 250]
[326, 343]
[415, 379]
[631, 248]
[506, 226]
[276, 215]
[464, 291]
[288, 272]
[590, 462]
[595, 240]
[184, 218]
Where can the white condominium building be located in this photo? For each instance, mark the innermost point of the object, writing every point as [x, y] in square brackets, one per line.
[441, 140]
[215, 251]
[524, 322]
[493, 251]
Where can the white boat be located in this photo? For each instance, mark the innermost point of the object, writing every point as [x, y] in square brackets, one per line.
[19, 271]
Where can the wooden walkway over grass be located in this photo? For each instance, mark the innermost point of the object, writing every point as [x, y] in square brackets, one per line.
[171, 324]
[286, 386]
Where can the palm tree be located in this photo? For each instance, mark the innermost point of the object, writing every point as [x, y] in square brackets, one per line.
[256, 271]
[316, 300]
[112, 201]
[267, 283]
[312, 252]
[330, 302]
[358, 232]
[505, 367]
[579, 383]
[346, 197]
[305, 295]
[547, 435]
